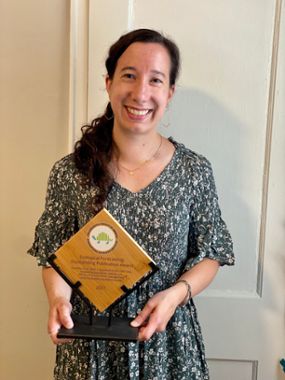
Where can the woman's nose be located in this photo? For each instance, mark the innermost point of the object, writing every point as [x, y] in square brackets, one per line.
[140, 91]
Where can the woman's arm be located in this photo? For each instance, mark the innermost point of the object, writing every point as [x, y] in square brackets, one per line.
[160, 308]
[200, 276]
[58, 293]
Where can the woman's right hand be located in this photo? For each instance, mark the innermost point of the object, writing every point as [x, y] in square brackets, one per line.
[59, 293]
[59, 315]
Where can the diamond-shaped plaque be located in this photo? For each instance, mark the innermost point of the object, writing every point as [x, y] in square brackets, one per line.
[103, 262]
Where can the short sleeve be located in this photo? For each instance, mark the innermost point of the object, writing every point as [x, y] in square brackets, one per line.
[208, 234]
[58, 221]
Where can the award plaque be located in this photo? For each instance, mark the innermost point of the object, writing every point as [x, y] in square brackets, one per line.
[103, 264]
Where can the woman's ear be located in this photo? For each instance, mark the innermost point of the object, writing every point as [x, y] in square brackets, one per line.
[171, 92]
[108, 82]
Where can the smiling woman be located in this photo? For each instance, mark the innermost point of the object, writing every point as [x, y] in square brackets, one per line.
[140, 89]
[164, 195]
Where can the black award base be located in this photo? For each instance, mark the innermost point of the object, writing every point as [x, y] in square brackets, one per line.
[107, 328]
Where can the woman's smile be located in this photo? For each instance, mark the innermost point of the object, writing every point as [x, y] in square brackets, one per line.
[138, 113]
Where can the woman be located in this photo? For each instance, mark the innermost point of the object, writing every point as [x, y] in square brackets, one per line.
[164, 195]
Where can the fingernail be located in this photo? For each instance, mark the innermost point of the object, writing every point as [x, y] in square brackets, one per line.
[135, 323]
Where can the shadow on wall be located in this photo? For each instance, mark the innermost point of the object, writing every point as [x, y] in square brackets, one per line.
[207, 127]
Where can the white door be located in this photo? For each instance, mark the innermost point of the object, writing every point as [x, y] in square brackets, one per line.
[229, 106]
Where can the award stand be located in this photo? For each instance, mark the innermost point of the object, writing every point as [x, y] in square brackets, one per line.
[103, 264]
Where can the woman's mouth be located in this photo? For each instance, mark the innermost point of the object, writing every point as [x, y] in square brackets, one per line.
[140, 113]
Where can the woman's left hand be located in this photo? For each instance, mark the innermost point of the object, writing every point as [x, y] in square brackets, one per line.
[158, 311]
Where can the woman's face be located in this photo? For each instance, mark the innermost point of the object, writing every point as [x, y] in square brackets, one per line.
[140, 90]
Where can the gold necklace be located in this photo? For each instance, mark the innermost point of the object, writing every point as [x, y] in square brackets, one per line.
[131, 172]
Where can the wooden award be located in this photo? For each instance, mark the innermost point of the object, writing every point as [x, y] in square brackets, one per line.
[103, 264]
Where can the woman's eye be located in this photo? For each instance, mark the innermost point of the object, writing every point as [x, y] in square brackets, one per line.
[156, 81]
[128, 76]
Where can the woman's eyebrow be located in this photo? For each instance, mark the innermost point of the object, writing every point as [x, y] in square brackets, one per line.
[128, 68]
[157, 72]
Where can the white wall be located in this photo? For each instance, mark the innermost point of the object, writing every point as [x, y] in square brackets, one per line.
[34, 71]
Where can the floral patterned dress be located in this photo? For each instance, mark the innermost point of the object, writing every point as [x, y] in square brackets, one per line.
[177, 220]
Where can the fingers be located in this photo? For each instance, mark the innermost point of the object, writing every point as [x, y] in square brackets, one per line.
[57, 341]
[154, 324]
[64, 316]
[143, 315]
[154, 316]
[59, 316]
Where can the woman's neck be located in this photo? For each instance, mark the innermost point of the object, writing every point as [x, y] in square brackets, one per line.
[132, 150]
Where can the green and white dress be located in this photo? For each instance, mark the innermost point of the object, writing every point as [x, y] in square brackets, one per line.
[177, 220]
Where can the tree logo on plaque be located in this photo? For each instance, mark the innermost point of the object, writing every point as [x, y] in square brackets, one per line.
[102, 238]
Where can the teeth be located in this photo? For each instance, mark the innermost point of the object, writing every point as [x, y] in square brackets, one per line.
[137, 112]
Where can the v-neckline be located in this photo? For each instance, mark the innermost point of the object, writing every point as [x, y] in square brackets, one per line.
[155, 180]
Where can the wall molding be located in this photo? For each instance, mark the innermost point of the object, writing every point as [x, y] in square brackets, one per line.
[78, 68]
[268, 143]
[131, 15]
[254, 364]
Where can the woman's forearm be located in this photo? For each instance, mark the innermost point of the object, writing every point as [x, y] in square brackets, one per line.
[55, 285]
[198, 277]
